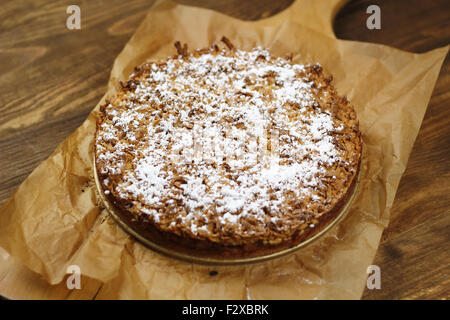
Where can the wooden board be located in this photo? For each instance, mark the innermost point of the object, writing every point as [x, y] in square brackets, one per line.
[52, 77]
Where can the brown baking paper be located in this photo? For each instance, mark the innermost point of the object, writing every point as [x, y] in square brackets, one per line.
[53, 220]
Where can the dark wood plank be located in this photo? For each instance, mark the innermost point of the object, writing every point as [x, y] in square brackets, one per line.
[52, 77]
[416, 263]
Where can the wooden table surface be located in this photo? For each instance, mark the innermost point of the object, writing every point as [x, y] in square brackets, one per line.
[52, 77]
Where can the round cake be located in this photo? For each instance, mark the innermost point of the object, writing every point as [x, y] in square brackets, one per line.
[229, 150]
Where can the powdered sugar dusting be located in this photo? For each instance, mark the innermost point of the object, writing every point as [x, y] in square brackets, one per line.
[235, 138]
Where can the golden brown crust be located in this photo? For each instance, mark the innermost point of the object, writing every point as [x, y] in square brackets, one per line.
[301, 217]
[194, 248]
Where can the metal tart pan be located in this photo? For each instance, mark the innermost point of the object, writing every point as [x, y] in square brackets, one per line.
[208, 257]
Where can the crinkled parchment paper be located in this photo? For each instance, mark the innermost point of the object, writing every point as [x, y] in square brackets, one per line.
[53, 220]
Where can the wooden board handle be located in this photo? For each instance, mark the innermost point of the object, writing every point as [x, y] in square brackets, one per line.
[314, 14]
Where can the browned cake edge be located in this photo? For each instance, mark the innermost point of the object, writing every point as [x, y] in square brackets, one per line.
[190, 247]
[144, 227]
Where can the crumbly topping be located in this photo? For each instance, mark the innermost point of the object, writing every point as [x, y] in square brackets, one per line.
[227, 144]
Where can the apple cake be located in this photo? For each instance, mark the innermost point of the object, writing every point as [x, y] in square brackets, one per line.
[222, 149]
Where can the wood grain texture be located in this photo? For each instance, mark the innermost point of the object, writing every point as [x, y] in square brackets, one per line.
[52, 77]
